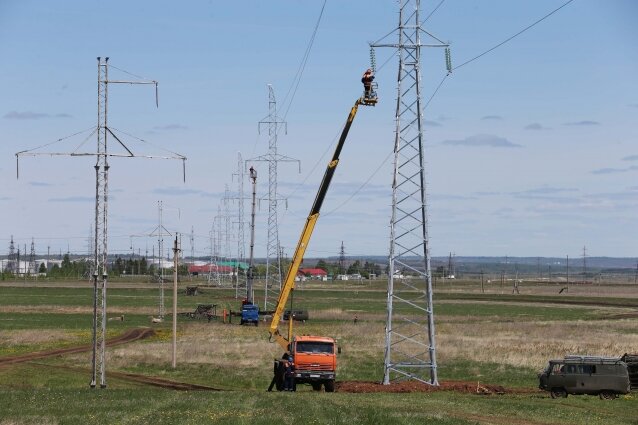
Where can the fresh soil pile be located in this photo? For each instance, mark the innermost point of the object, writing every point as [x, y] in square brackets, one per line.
[419, 387]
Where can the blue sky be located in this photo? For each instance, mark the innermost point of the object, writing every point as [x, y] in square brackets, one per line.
[530, 150]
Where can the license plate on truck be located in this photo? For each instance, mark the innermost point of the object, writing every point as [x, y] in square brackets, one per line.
[314, 376]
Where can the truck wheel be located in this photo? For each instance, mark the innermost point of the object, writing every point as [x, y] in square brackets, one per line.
[607, 395]
[558, 393]
[329, 386]
[241, 322]
[316, 386]
[256, 323]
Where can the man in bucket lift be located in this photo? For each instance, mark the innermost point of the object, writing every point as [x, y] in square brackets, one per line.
[367, 79]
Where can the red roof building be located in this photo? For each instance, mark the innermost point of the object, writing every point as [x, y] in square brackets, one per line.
[314, 272]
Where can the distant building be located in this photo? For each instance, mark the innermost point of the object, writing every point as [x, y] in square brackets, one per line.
[208, 268]
[319, 274]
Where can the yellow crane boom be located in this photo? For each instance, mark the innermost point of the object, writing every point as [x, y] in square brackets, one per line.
[289, 283]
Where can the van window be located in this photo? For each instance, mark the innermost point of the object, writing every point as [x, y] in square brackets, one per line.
[586, 369]
[571, 369]
[557, 368]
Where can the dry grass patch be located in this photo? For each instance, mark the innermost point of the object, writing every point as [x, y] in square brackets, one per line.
[531, 344]
[210, 343]
[66, 309]
[36, 336]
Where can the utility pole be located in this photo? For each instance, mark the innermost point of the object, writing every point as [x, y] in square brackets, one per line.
[450, 270]
[584, 264]
[100, 272]
[250, 295]
[482, 288]
[272, 285]
[568, 274]
[176, 251]
[192, 241]
[410, 345]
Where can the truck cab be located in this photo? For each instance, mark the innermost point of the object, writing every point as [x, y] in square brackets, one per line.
[314, 362]
[315, 359]
[249, 314]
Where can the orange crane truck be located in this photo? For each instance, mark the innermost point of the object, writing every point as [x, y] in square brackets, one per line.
[314, 357]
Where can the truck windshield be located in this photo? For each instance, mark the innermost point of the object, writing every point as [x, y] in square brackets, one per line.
[315, 347]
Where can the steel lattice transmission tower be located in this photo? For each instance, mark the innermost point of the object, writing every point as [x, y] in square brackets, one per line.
[410, 347]
[241, 284]
[160, 231]
[32, 266]
[273, 260]
[100, 253]
[11, 259]
[100, 271]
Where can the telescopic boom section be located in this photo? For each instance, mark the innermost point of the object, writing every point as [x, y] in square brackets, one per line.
[289, 283]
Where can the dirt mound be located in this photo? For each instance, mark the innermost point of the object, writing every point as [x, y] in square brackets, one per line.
[415, 387]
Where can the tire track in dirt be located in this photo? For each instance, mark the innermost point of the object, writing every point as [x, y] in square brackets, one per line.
[140, 379]
[128, 336]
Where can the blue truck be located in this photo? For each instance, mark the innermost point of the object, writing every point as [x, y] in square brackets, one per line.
[249, 314]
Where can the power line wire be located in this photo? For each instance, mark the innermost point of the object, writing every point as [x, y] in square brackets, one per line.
[302, 65]
[445, 78]
[432, 13]
[515, 35]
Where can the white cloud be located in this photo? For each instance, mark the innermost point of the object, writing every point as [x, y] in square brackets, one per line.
[535, 126]
[483, 140]
[30, 115]
[583, 123]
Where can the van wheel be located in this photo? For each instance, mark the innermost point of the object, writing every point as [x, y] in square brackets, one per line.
[558, 393]
[607, 395]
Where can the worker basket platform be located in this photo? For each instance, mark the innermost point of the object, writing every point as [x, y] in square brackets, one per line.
[370, 98]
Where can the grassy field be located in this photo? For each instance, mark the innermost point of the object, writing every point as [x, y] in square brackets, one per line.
[491, 338]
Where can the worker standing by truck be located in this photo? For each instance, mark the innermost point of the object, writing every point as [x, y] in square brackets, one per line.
[289, 377]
